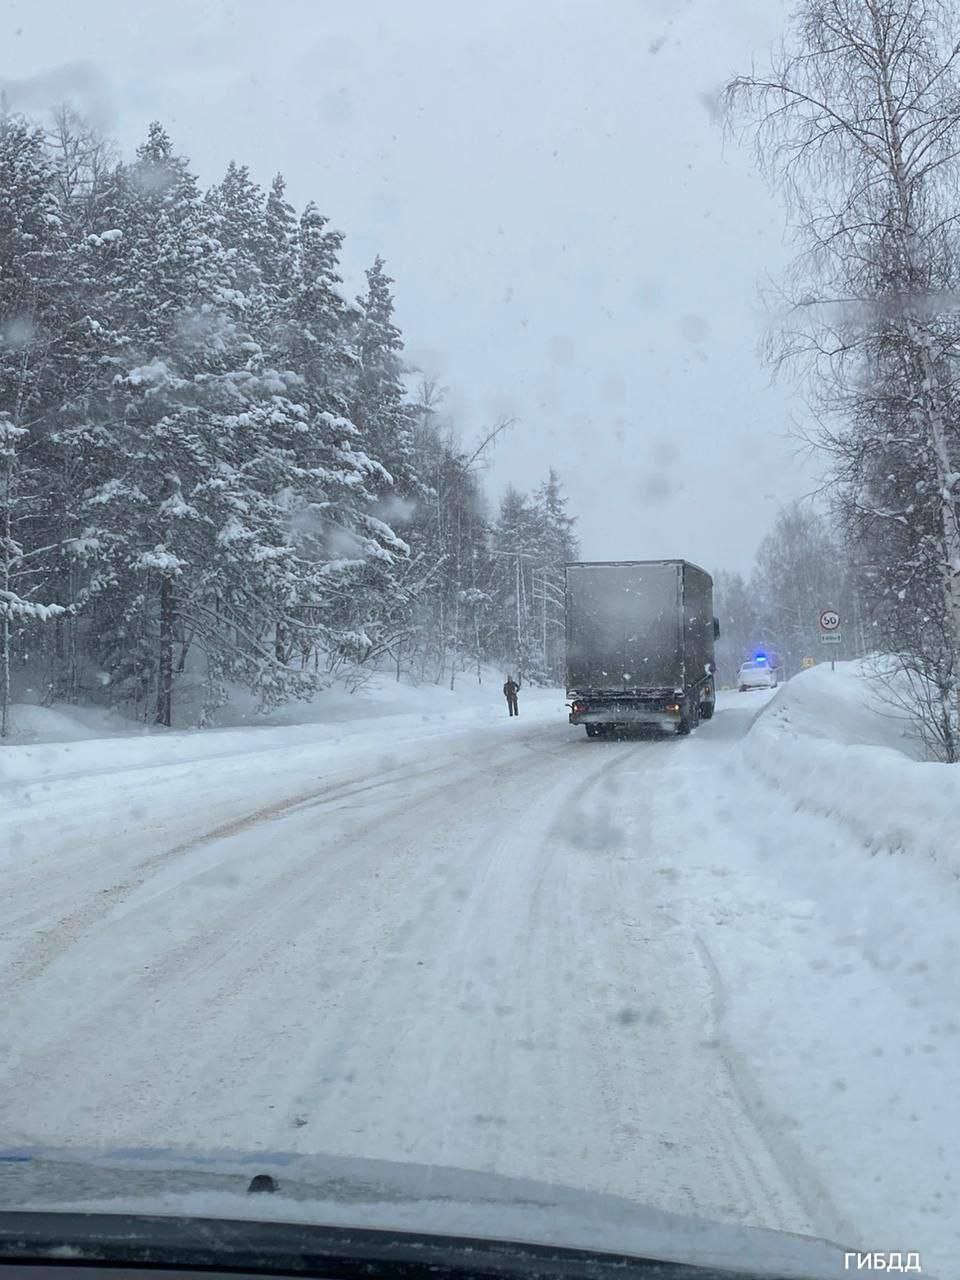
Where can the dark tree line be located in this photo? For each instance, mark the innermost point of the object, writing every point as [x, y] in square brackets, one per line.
[211, 471]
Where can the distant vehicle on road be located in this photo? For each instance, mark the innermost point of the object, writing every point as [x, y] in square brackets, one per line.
[757, 674]
[640, 639]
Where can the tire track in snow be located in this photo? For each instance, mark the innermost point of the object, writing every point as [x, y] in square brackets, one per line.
[824, 1216]
[522, 861]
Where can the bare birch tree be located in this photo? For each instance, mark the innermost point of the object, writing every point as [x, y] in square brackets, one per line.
[857, 121]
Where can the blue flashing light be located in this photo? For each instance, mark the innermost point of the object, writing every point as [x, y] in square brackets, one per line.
[760, 658]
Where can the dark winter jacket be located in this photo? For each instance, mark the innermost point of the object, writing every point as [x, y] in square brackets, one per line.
[511, 689]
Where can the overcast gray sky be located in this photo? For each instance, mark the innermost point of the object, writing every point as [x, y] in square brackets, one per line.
[572, 242]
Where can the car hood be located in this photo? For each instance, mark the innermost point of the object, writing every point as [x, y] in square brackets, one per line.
[355, 1192]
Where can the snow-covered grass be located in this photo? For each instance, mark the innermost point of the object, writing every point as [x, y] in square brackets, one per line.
[378, 694]
[58, 741]
[31, 723]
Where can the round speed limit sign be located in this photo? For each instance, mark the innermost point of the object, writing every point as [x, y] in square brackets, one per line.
[829, 620]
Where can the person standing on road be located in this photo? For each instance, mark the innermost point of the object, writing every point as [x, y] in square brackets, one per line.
[510, 691]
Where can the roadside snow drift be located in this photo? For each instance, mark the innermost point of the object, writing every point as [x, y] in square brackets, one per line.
[829, 743]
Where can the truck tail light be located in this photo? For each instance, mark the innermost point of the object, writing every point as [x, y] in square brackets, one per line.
[579, 707]
[673, 706]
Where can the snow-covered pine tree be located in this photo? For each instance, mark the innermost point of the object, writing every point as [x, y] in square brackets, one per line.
[259, 457]
[533, 539]
[338, 507]
[196, 497]
[378, 401]
[79, 449]
[166, 288]
[318, 345]
[277, 330]
[514, 638]
[39, 332]
[238, 204]
[278, 263]
[556, 545]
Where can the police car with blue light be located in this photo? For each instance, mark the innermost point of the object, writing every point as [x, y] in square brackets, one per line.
[759, 673]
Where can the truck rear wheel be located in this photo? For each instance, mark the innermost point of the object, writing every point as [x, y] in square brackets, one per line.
[593, 730]
[690, 718]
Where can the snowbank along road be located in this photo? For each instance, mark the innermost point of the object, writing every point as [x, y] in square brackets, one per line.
[489, 945]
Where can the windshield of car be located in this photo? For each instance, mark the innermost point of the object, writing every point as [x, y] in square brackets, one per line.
[479, 619]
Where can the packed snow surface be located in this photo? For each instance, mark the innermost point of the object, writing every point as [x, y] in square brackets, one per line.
[716, 975]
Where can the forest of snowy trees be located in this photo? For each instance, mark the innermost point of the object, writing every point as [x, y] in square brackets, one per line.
[213, 472]
[218, 471]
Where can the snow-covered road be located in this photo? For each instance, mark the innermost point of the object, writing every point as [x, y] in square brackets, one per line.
[464, 941]
[452, 951]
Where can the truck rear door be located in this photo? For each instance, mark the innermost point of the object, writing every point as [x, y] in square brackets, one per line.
[623, 626]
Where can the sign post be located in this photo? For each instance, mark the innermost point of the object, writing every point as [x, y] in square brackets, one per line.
[829, 623]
